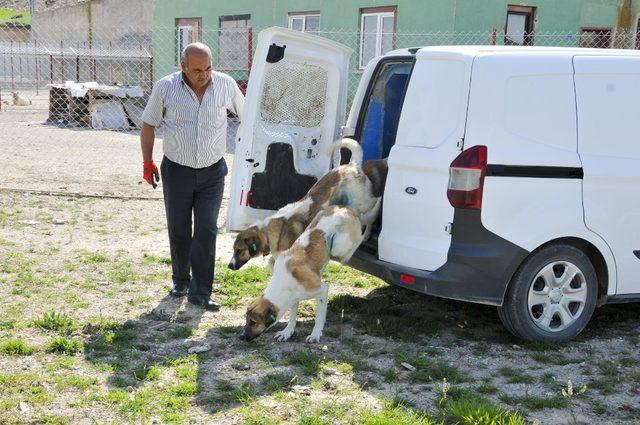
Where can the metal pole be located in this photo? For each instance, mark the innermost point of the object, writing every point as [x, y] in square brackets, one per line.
[250, 48]
[12, 82]
[150, 68]
[35, 61]
[20, 61]
[62, 61]
[77, 64]
[110, 66]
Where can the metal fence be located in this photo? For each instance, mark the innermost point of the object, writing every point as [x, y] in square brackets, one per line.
[103, 82]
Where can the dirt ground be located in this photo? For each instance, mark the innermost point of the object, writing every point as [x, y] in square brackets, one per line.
[81, 233]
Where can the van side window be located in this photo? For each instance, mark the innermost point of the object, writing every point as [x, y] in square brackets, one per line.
[381, 109]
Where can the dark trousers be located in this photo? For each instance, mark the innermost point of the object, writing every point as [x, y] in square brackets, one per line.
[193, 192]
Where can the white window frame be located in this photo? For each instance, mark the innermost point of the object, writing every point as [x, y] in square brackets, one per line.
[380, 16]
[181, 41]
[192, 28]
[303, 16]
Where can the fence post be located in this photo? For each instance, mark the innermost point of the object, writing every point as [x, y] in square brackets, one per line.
[35, 61]
[110, 66]
[20, 61]
[250, 48]
[77, 64]
[12, 82]
[61, 62]
[150, 69]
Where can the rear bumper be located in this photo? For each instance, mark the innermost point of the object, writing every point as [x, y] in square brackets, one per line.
[479, 265]
[437, 283]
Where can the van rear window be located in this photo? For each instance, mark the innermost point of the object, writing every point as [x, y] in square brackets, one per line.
[381, 108]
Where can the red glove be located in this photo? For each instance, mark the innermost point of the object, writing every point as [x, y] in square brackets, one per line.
[150, 173]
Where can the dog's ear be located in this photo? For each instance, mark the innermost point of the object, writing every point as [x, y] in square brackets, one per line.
[252, 245]
[271, 317]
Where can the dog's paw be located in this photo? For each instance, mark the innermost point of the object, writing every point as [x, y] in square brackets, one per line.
[283, 335]
[313, 338]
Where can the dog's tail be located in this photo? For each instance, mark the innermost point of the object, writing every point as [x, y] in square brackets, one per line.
[352, 145]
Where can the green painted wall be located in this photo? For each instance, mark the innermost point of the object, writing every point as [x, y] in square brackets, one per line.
[414, 17]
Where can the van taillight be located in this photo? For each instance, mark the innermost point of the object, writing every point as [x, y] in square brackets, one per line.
[466, 178]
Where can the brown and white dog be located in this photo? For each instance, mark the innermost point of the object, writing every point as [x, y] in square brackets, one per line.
[336, 233]
[345, 185]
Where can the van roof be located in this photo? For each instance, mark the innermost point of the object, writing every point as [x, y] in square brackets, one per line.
[516, 50]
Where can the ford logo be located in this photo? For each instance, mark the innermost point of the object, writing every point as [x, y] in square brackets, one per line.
[411, 190]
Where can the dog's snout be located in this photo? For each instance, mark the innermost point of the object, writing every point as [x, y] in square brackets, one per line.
[232, 265]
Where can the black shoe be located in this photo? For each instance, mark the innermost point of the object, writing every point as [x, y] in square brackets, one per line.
[179, 289]
[204, 302]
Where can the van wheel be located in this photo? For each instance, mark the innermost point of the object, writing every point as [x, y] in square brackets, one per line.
[552, 296]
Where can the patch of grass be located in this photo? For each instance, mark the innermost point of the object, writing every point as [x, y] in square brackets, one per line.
[15, 347]
[52, 420]
[59, 322]
[155, 259]
[147, 373]
[393, 413]
[16, 387]
[559, 359]
[389, 375]
[235, 286]
[65, 345]
[515, 376]
[229, 331]
[228, 392]
[274, 382]
[476, 410]
[338, 274]
[381, 316]
[122, 272]
[487, 388]
[536, 402]
[62, 363]
[481, 349]
[93, 257]
[79, 382]
[180, 332]
[604, 385]
[309, 362]
[139, 300]
[428, 370]
[627, 361]
[551, 347]
[169, 402]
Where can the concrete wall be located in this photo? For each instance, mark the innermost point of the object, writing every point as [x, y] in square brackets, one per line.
[17, 34]
[121, 22]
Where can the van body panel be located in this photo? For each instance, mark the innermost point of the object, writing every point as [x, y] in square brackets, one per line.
[295, 104]
[416, 210]
[522, 107]
[530, 212]
[609, 144]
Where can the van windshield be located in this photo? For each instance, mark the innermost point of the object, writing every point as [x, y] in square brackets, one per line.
[381, 108]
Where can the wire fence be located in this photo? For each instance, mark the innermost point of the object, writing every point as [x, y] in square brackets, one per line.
[99, 84]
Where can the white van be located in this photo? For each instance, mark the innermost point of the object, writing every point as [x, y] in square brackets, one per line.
[514, 173]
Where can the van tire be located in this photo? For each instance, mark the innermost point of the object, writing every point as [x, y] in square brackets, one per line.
[545, 276]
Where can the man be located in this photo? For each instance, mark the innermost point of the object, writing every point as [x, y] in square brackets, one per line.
[190, 108]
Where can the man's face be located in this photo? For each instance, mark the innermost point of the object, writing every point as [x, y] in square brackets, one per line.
[197, 70]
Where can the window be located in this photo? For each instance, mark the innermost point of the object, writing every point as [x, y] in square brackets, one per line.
[595, 37]
[520, 25]
[234, 42]
[188, 30]
[381, 110]
[377, 32]
[305, 22]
